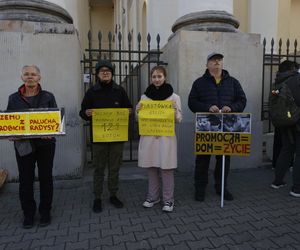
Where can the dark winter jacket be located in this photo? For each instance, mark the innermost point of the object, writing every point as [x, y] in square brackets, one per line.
[292, 79]
[44, 99]
[100, 95]
[206, 93]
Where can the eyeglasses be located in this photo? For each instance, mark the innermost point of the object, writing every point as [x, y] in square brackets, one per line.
[105, 71]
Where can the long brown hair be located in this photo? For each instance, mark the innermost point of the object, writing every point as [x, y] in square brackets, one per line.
[159, 68]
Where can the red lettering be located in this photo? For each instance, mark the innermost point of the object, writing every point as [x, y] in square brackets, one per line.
[226, 148]
[237, 148]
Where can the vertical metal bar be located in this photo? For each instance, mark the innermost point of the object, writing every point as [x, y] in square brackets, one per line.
[158, 51]
[295, 50]
[100, 45]
[287, 49]
[149, 56]
[89, 128]
[109, 45]
[263, 79]
[139, 39]
[279, 50]
[130, 76]
[90, 57]
[120, 56]
[271, 76]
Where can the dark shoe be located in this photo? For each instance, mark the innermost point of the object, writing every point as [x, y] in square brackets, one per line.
[294, 193]
[28, 222]
[200, 196]
[277, 185]
[45, 220]
[227, 195]
[97, 207]
[116, 202]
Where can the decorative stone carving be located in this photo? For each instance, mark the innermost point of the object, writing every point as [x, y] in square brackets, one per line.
[33, 10]
[209, 20]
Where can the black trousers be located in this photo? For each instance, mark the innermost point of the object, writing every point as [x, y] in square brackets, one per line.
[42, 157]
[290, 145]
[201, 171]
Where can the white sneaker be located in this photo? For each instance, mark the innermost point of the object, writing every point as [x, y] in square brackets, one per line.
[168, 207]
[149, 203]
[295, 194]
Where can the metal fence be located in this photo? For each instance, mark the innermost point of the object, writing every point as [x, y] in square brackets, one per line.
[271, 60]
[133, 59]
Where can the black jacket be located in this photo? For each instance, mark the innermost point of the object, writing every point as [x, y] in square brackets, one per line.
[104, 96]
[292, 79]
[206, 93]
[44, 99]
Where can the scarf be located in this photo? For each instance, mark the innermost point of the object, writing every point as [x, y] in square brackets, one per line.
[161, 93]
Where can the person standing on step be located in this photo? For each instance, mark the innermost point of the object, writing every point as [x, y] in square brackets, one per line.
[106, 93]
[216, 91]
[34, 151]
[159, 153]
[290, 136]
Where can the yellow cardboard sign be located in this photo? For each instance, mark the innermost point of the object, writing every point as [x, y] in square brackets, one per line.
[30, 123]
[223, 134]
[110, 124]
[156, 118]
[210, 143]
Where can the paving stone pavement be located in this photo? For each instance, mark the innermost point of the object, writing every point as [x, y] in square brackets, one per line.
[258, 218]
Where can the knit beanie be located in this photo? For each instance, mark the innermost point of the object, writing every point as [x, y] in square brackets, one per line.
[104, 63]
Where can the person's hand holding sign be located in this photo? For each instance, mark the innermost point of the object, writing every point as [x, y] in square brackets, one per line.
[226, 109]
[139, 106]
[89, 112]
[214, 109]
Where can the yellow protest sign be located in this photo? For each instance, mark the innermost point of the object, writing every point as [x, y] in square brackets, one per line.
[223, 134]
[30, 123]
[210, 143]
[110, 124]
[156, 118]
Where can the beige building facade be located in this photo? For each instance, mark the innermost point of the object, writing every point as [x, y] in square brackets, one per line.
[278, 19]
[269, 18]
[266, 19]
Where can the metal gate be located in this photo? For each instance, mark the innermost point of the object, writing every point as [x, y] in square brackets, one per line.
[271, 60]
[133, 59]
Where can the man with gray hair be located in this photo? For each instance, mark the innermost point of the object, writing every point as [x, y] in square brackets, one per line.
[30, 152]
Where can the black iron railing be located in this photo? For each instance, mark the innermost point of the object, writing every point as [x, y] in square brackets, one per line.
[271, 61]
[132, 60]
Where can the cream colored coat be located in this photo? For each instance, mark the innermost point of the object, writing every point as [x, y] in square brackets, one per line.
[159, 151]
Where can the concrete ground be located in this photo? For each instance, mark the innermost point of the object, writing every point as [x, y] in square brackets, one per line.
[258, 218]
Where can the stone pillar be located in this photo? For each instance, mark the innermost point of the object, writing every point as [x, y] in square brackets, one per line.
[38, 32]
[170, 10]
[195, 36]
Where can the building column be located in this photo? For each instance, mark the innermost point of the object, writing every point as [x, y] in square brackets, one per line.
[171, 10]
[195, 35]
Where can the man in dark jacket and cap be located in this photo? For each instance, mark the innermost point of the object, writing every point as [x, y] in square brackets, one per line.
[216, 91]
[105, 94]
[290, 136]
